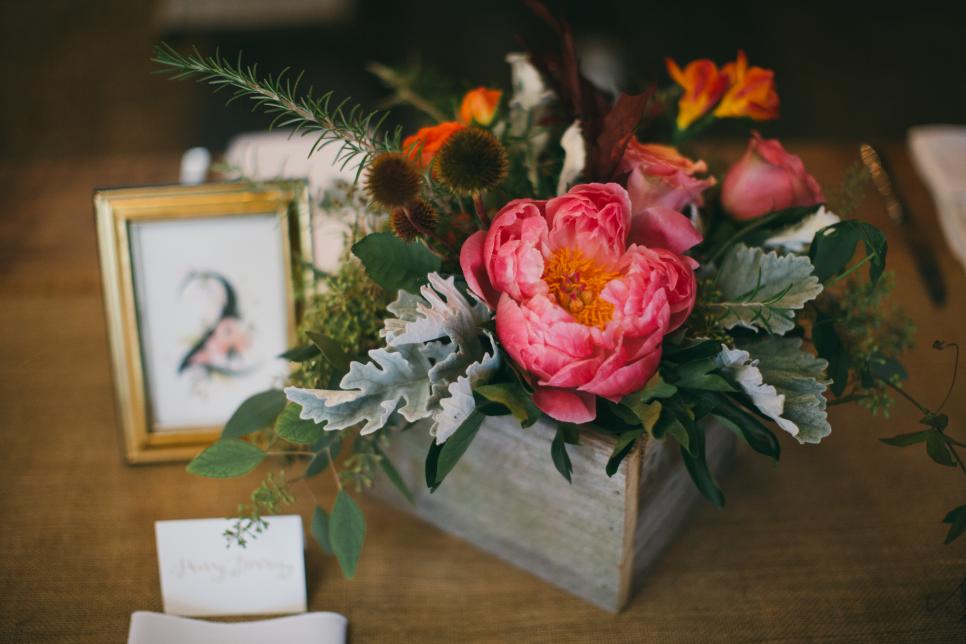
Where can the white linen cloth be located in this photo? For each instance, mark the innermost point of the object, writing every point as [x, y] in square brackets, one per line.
[308, 628]
[939, 154]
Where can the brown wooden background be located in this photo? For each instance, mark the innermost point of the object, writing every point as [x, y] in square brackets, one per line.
[840, 542]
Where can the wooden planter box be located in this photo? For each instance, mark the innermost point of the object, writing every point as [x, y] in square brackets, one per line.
[596, 538]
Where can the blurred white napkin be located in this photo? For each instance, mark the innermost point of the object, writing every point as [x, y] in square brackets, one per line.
[264, 156]
[309, 628]
[939, 154]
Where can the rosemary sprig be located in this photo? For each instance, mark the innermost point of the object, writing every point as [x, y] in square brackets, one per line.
[354, 128]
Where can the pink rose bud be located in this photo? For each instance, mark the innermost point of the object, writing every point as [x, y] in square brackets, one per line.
[767, 179]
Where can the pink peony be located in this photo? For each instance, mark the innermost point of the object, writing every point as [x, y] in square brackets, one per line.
[767, 179]
[658, 176]
[582, 303]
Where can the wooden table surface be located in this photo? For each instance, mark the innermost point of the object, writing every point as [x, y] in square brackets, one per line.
[840, 542]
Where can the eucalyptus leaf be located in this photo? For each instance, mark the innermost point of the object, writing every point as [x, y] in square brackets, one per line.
[255, 413]
[226, 458]
[347, 532]
[393, 263]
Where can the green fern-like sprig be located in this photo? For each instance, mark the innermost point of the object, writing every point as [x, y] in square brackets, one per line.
[354, 128]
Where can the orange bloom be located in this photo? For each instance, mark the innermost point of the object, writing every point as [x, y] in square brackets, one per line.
[424, 144]
[479, 105]
[751, 92]
[703, 86]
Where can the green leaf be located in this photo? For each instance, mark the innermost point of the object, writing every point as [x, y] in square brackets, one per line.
[797, 375]
[571, 433]
[698, 374]
[330, 351]
[938, 450]
[514, 398]
[320, 529]
[623, 446]
[300, 354]
[330, 442]
[886, 368]
[257, 412]
[647, 414]
[227, 458]
[657, 388]
[394, 264]
[558, 452]
[454, 448]
[295, 430]
[829, 346]
[834, 246]
[347, 532]
[749, 429]
[697, 465]
[432, 465]
[759, 290]
[905, 440]
[957, 523]
[686, 353]
[393, 474]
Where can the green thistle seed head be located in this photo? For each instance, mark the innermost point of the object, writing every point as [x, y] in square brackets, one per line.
[471, 161]
[392, 180]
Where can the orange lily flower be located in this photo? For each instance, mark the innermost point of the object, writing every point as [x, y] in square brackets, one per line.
[751, 92]
[480, 105]
[425, 143]
[703, 86]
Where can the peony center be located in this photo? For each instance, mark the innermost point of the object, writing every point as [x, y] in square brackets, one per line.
[575, 283]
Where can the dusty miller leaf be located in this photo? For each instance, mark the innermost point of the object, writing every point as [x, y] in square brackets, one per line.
[763, 290]
[433, 340]
[798, 376]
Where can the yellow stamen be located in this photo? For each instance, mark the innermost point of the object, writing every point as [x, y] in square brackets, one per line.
[576, 283]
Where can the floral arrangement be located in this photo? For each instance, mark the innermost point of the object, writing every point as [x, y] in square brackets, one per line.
[549, 251]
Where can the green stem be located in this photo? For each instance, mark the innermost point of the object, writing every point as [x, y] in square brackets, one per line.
[847, 399]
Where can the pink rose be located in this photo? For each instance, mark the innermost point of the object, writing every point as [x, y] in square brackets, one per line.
[658, 176]
[767, 179]
[581, 304]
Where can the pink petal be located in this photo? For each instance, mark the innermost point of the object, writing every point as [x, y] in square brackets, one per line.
[660, 227]
[474, 269]
[566, 405]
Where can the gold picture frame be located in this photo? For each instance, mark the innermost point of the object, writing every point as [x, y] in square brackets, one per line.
[116, 210]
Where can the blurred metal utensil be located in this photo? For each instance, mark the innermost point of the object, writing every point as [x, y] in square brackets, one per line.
[922, 252]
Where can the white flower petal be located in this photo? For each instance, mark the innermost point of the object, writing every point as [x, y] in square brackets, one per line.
[739, 365]
[575, 156]
[798, 237]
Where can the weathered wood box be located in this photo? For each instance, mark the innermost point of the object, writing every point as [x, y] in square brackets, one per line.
[596, 538]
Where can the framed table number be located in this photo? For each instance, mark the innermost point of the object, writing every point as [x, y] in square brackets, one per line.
[200, 288]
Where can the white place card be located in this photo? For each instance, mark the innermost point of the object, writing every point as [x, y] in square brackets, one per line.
[310, 628]
[200, 576]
